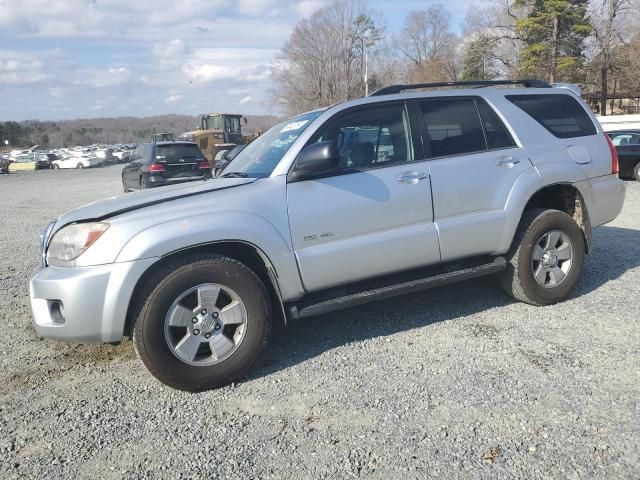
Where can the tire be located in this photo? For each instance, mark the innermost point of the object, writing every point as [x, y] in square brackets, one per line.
[55, 166]
[158, 344]
[80, 165]
[519, 279]
[125, 187]
[636, 172]
[143, 183]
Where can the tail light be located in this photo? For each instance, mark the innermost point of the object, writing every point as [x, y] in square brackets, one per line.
[204, 165]
[615, 166]
[157, 167]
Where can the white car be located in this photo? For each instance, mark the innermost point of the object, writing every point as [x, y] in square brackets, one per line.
[76, 161]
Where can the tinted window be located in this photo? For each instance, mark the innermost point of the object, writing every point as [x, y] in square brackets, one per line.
[369, 137]
[495, 132]
[561, 114]
[453, 127]
[174, 153]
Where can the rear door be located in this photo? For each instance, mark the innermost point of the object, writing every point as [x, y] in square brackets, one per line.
[373, 215]
[474, 163]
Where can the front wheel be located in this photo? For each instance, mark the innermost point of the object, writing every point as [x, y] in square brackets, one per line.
[546, 259]
[636, 172]
[80, 165]
[203, 324]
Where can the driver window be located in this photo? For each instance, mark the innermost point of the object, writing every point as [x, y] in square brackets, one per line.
[370, 137]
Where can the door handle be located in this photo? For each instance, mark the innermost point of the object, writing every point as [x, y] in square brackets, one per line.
[507, 162]
[411, 177]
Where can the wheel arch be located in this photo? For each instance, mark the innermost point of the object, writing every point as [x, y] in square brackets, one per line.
[247, 253]
[567, 198]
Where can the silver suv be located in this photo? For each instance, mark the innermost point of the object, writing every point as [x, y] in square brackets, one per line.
[368, 199]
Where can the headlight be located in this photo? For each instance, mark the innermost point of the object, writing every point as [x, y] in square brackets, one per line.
[70, 242]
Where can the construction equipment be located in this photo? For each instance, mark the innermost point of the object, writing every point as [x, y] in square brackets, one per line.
[218, 133]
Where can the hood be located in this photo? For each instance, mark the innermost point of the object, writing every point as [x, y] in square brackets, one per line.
[111, 207]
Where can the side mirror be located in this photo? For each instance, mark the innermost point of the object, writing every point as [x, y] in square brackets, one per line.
[315, 159]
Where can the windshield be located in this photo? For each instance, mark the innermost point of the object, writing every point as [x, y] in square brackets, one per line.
[232, 124]
[261, 156]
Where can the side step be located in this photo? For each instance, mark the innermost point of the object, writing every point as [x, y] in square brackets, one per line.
[303, 309]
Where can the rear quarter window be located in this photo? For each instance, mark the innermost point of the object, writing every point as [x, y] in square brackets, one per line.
[560, 114]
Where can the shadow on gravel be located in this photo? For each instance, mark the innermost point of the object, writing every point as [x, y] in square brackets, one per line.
[615, 251]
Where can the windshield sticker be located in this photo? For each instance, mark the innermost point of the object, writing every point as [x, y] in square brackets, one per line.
[294, 126]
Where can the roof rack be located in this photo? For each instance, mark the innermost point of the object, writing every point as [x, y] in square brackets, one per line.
[391, 89]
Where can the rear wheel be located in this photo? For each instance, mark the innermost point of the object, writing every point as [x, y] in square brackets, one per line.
[80, 165]
[546, 259]
[55, 166]
[203, 324]
[636, 172]
[125, 187]
[143, 183]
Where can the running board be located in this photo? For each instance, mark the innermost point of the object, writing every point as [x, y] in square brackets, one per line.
[303, 309]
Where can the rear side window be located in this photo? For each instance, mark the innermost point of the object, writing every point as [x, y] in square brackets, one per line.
[175, 153]
[624, 138]
[453, 127]
[494, 130]
[560, 114]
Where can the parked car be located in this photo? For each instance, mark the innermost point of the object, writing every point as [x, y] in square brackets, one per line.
[364, 200]
[164, 163]
[627, 143]
[76, 161]
[226, 158]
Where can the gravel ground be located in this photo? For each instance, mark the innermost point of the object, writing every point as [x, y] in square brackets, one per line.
[454, 382]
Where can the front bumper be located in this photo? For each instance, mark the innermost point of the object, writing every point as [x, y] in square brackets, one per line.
[84, 304]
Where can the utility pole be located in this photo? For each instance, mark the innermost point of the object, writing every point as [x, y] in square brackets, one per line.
[366, 75]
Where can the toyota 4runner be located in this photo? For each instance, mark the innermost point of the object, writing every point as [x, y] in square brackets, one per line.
[404, 190]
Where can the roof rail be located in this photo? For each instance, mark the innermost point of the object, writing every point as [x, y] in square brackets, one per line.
[391, 89]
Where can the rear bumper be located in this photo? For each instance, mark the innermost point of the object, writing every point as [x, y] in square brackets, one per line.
[84, 304]
[605, 199]
[159, 181]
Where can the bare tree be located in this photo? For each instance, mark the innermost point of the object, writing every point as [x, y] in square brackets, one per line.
[427, 41]
[610, 22]
[322, 63]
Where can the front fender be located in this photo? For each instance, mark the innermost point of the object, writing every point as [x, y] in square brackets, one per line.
[165, 238]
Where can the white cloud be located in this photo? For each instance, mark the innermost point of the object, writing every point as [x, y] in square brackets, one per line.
[246, 99]
[175, 98]
[207, 73]
[100, 78]
[254, 7]
[306, 7]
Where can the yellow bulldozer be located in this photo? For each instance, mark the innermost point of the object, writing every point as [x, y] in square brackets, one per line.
[218, 133]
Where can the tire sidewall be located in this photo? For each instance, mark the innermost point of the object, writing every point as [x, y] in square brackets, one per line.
[541, 225]
[150, 334]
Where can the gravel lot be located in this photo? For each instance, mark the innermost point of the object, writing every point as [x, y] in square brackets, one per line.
[454, 382]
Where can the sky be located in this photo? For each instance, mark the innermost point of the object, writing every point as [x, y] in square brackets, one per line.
[62, 59]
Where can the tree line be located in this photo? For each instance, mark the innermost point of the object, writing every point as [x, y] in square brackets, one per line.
[345, 48]
[124, 130]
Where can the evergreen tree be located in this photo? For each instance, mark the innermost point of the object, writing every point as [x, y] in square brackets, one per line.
[479, 60]
[553, 32]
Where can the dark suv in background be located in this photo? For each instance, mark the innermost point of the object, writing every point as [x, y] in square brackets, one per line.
[627, 143]
[164, 163]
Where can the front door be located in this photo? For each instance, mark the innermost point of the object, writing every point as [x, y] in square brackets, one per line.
[374, 215]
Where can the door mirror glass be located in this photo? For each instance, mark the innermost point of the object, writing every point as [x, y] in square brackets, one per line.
[317, 158]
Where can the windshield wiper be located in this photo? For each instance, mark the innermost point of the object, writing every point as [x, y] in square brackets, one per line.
[235, 175]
